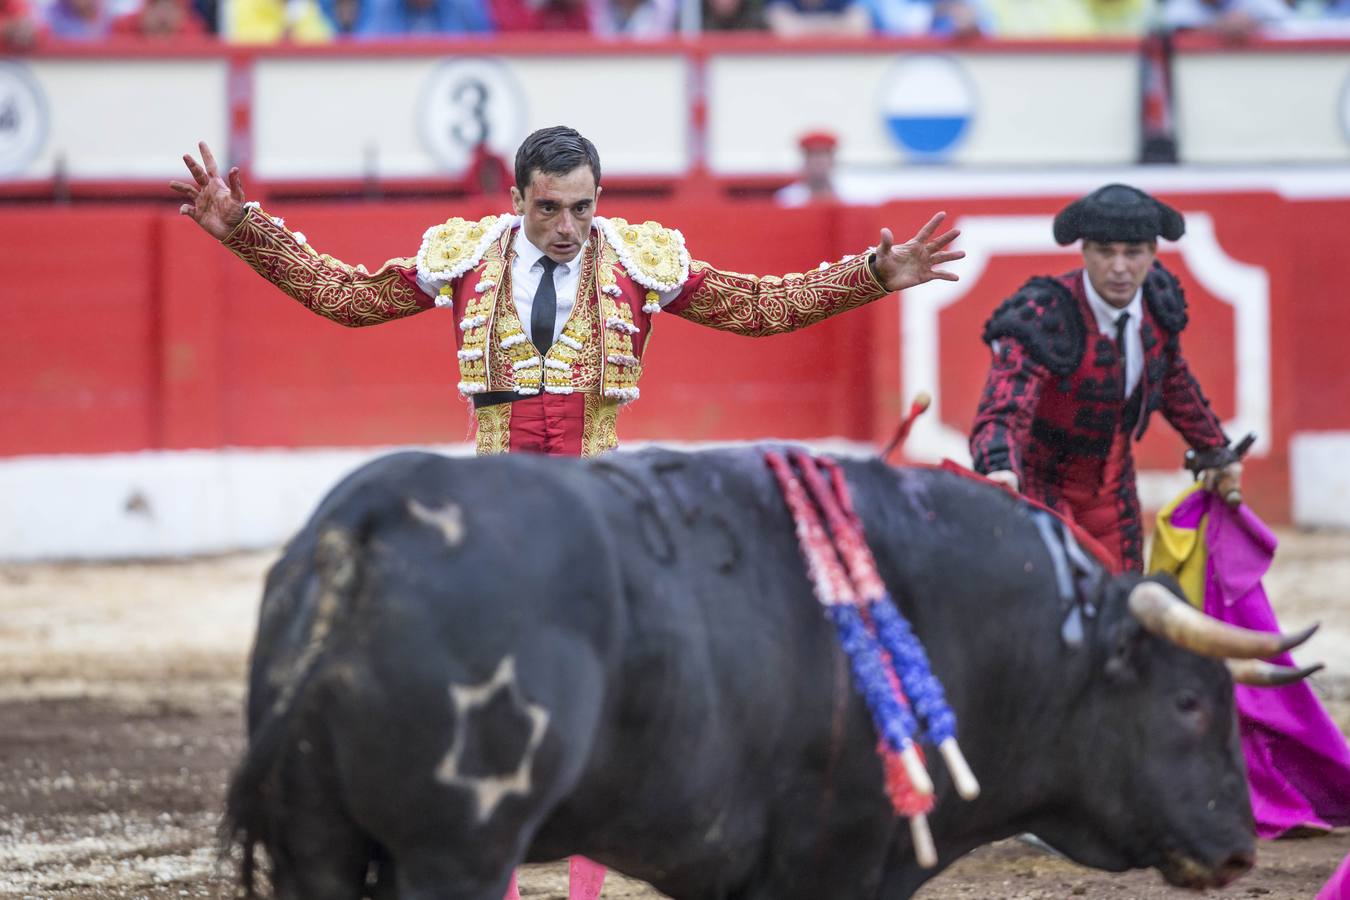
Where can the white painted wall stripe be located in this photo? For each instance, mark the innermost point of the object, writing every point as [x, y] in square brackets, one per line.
[184, 503]
[154, 504]
[1319, 475]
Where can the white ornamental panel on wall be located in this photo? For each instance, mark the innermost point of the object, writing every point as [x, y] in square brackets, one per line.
[1008, 107]
[1263, 106]
[927, 102]
[470, 102]
[421, 116]
[23, 119]
[108, 118]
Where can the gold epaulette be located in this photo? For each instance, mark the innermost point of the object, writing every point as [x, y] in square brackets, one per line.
[653, 255]
[450, 250]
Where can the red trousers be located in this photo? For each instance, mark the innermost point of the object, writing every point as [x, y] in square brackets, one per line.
[548, 423]
[1099, 496]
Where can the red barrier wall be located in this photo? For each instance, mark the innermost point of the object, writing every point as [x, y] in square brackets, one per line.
[80, 324]
[1318, 308]
[169, 341]
[127, 328]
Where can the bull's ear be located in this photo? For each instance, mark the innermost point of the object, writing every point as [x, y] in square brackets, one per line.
[1125, 643]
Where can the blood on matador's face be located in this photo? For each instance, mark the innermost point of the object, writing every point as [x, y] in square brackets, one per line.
[1117, 268]
[557, 211]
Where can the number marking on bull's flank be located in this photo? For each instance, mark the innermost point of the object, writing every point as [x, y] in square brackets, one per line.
[488, 791]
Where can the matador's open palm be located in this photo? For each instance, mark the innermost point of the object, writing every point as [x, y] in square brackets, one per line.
[916, 260]
[216, 206]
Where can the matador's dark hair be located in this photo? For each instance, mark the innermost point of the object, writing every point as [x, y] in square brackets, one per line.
[554, 151]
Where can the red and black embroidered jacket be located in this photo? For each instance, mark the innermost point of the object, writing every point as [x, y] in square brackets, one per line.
[1054, 406]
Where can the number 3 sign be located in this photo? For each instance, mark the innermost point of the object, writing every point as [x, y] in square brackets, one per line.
[23, 119]
[467, 102]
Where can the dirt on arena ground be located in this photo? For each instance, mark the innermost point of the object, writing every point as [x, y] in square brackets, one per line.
[121, 689]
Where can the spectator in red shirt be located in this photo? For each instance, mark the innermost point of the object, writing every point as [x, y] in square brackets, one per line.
[541, 15]
[816, 184]
[18, 27]
[733, 15]
[159, 20]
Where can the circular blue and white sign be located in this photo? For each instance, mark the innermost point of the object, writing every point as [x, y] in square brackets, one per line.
[927, 103]
[468, 102]
[23, 119]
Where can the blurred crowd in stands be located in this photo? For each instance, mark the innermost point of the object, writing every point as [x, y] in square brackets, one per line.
[28, 22]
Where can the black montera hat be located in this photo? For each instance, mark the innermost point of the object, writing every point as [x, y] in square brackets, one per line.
[1118, 212]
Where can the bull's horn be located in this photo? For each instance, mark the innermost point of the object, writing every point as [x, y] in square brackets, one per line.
[1264, 674]
[1170, 617]
[925, 851]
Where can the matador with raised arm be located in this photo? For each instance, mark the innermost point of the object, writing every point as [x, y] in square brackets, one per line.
[553, 304]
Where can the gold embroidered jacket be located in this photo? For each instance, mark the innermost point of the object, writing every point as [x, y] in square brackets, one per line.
[465, 265]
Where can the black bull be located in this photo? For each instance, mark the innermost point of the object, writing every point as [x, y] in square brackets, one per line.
[466, 664]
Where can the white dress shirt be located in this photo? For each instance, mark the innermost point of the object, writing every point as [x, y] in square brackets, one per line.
[1106, 316]
[527, 270]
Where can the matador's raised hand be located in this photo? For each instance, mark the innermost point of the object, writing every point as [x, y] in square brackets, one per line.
[916, 261]
[212, 204]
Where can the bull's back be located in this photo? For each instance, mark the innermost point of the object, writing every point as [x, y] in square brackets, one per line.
[718, 734]
[732, 675]
[419, 567]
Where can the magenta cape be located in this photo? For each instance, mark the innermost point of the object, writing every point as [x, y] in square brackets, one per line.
[1298, 762]
[1338, 888]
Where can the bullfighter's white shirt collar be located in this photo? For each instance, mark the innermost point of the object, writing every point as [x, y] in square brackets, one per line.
[529, 255]
[1106, 316]
[526, 273]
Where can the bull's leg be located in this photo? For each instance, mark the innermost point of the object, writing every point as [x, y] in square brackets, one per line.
[437, 878]
[331, 865]
[320, 852]
[452, 772]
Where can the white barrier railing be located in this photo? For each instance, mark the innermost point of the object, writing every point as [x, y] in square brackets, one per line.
[725, 106]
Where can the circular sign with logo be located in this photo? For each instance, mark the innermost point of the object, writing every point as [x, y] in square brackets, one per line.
[23, 119]
[927, 103]
[468, 102]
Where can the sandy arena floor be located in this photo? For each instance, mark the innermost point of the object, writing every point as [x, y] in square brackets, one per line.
[120, 695]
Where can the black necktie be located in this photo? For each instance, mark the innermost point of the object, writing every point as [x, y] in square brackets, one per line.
[545, 309]
[1121, 321]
